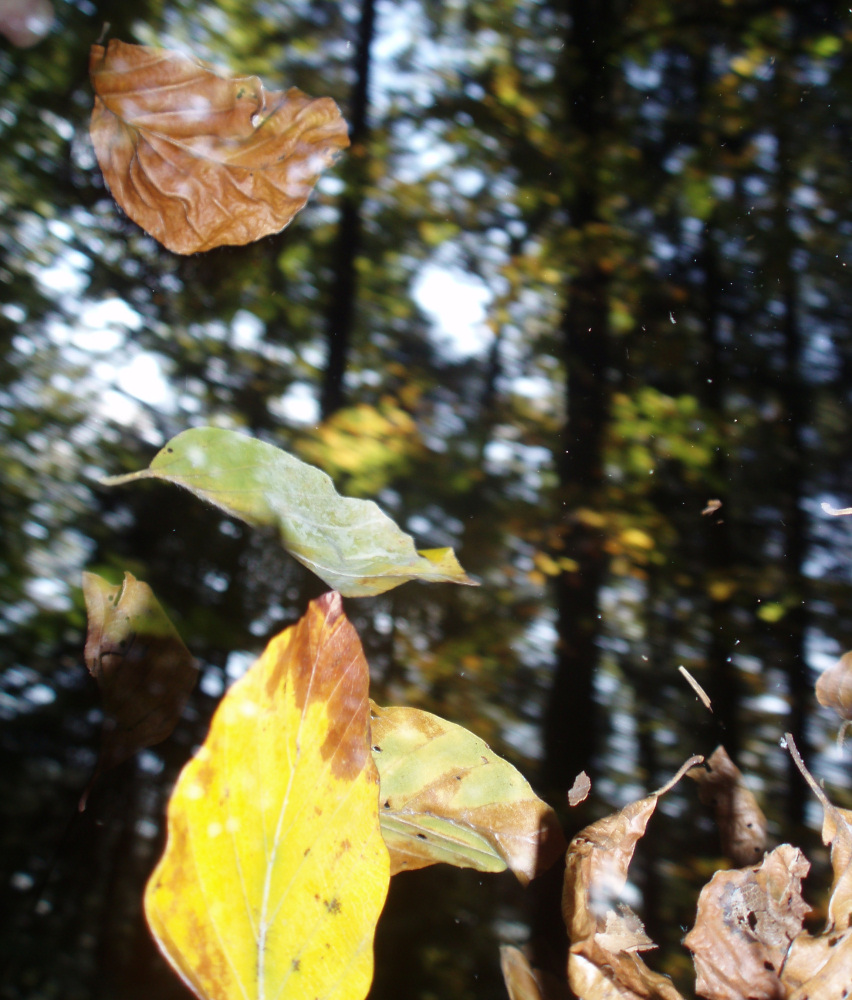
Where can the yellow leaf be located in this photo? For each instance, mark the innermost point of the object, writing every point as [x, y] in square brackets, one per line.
[275, 871]
[637, 539]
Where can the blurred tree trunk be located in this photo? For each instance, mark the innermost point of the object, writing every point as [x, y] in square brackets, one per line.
[340, 318]
[792, 626]
[571, 722]
[723, 687]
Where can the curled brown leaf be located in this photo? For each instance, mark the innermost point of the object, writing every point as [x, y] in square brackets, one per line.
[603, 959]
[741, 822]
[199, 159]
[746, 921]
[834, 687]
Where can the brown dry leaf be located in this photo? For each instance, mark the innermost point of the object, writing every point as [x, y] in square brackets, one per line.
[820, 968]
[142, 667]
[199, 159]
[579, 791]
[834, 687]
[603, 963]
[526, 983]
[741, 822]
[746, 920]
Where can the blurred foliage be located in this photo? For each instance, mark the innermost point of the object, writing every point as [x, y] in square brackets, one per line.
[677, 171]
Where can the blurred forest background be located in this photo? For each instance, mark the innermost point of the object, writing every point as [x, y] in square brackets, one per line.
[644, 210]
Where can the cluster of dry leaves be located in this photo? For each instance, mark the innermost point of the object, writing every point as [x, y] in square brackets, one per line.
[200, 159]
[748, 941]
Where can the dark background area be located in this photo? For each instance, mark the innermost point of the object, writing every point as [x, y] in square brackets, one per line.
[651, 203]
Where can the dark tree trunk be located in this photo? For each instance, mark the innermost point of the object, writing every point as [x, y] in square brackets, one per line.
[341, 313]
[792, 626]
[723, 686]
[570, 724]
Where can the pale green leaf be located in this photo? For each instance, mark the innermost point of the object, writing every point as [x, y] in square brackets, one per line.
[350, 544]
[447, 797]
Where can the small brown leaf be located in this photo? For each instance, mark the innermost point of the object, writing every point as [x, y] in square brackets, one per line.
[526, 983]
[818, 968]
[603, 963]
[579, 791]
[746, 920]
[142, 667]
[199, 159]
[741, 822]
[834, 687]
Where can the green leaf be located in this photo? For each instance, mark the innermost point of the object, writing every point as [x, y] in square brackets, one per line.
[447, 797]
[350, 544]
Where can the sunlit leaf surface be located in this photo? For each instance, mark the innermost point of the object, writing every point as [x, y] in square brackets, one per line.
[446, 796]
[350, 544]
[275, 871]
[142, 667]
[199, 159]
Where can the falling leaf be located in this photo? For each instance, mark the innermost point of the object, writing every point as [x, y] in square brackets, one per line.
[350, 544]
[834, 687]
[579, 791]
[836, 511]
[25, 22]
[704, 698]
[603, 959]
[518, 975]
[746, 921]
[144, 671]
[741, 822]
[525, 983]
[275, 872]
[200, 159]
[818, 967]
[447, 797]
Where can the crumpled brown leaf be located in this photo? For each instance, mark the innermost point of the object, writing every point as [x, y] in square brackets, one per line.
[742, 825]
[746, 920]
[198, 159]
[820, 968]
[142, 667]
[603, 960]
[834, 687]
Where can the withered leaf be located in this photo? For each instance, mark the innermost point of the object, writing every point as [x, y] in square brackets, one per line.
[834, 687]
[199, 159]
[603, 963]
[746, 920]
[144, 671]
[818, 968]
[579, 791]
[741, 822]
[523, 982]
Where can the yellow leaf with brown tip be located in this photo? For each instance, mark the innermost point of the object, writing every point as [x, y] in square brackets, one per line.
[275, 871]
